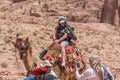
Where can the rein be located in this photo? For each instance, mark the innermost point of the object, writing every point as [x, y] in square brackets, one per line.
[57, 59]
[22, 50]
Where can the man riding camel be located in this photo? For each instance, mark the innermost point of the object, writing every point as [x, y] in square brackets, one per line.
[63, 36]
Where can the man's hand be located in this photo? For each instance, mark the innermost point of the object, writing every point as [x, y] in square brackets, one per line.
[77, 69]
[54, 40]
[57, 41]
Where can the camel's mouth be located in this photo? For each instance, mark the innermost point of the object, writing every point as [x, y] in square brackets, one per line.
[22, 48]
[22, 44]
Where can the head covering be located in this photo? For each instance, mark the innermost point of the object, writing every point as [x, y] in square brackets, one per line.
[95, 64]
[46, 63]
[62, 19]
[40, 70]
[93, 60]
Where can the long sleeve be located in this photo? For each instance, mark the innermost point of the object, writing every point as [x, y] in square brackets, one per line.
[78, 76]
[110, 73]
[53, 73]
[104, 68]
[89, 74]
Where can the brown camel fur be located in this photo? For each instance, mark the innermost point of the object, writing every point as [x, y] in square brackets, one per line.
[25, 51]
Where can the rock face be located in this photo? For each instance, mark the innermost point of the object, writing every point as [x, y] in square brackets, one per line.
[116, 19]
[119, 11]
[76, 10]
[84, 11]
[110, 12]
[38, 21]
[15, 1]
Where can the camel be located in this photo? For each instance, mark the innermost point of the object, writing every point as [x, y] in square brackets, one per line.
[22, 44]
[52, 53]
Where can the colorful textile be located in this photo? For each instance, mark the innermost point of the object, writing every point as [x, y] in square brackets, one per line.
[40, 70]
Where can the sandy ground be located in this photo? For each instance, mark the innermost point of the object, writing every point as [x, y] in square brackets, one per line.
[93, 38]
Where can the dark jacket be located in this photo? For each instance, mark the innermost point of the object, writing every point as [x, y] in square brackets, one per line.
[49, 77]
[60, 31]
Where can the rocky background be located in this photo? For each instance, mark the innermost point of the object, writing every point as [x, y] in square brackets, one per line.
[96, 24]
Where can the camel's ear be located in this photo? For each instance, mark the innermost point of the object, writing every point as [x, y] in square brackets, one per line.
[17, 35]
[27, 39]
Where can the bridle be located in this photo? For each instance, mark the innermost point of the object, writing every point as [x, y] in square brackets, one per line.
[22, 46]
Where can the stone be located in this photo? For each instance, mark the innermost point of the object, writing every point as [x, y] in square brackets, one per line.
[116, 18]
[16, 1]
[109, 10]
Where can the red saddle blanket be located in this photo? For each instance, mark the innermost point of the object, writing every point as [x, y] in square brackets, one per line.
[69, 49]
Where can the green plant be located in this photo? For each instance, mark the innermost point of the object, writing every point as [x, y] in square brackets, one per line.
[6, 39]
[104, 36]
[46, 23]
[80, 32]
[51, 36]
[47, 33]
[4, 65]
[42, 47]
[13, 49]
[112, 68]
[102, 47]
[96, 47]
[3, 17]
[35, 59]
[10, 59]
[41, 37]
[86, 49]
[10, 30]
[4, 48]
[118, 43]
[87, 33]
[35, 33]
[31, 42]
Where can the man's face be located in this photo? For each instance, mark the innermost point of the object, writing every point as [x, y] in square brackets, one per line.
[38, 77]
[48, 68]
[62, 24]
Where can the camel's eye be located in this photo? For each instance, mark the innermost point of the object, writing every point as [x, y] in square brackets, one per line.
[22, 48]
[19, 39]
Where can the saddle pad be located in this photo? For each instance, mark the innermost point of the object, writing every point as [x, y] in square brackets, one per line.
[69, 49]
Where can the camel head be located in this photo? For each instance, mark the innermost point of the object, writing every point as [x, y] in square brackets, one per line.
[22, 44]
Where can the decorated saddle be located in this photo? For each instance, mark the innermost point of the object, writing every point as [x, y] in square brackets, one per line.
[71, 58]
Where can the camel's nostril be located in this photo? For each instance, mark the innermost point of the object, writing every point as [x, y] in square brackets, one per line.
[22, 48]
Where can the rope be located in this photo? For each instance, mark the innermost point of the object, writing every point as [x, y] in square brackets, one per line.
[16, 58]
